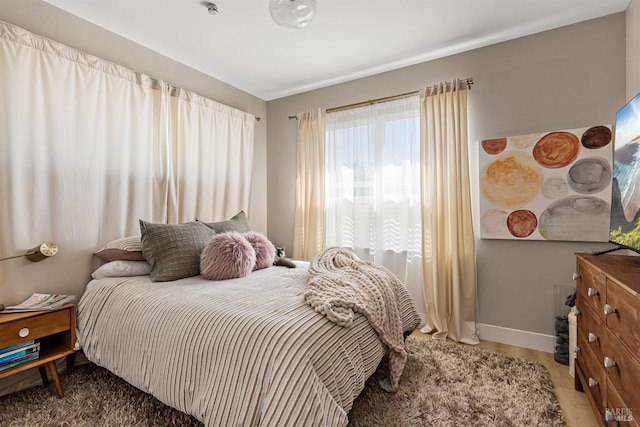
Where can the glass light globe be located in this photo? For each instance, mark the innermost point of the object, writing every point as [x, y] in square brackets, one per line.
[292, 13]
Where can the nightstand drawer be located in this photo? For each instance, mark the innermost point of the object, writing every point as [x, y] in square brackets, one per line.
[23, 327]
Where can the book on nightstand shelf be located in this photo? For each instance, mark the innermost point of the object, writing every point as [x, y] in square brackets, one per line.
[20, 361]
[17, 354]
[40, 302]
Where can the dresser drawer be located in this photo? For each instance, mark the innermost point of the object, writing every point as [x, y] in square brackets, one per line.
[594, 376]
[621, 414]
[34, 327]
[591, 330]
[625, 321]
[625, 375]
[592, 286]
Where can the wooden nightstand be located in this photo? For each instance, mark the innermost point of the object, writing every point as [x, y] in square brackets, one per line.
[54, 329]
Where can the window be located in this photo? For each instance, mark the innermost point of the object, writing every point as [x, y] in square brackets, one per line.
[372, 180]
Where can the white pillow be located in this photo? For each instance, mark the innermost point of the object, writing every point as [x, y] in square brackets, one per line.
[122, 268]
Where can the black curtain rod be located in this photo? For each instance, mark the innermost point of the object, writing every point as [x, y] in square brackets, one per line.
[468, 81]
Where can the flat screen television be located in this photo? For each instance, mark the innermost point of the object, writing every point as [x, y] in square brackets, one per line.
[624, 229]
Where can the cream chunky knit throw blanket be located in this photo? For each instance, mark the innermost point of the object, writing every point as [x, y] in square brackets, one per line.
[341, 284]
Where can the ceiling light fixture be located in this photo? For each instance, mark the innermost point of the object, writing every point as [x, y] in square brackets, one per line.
[292, 13]
[212, 8]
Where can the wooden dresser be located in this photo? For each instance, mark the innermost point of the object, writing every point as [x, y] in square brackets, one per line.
[608, 339]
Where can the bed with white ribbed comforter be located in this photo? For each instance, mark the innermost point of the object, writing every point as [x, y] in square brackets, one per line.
[240, 352]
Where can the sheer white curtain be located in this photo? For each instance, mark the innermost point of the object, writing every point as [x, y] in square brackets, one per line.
[448, 240]
[372, 174]
[88, 147]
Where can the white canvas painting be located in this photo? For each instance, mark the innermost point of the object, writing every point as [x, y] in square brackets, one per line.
[547, 186]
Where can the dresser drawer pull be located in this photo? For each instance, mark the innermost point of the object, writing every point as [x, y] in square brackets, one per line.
[23, 333]
[576, 276]
[576, 349]
[593, 337]
[592, 292]
[609, 363]
[609, 309]
[609, 417]
[593, 383]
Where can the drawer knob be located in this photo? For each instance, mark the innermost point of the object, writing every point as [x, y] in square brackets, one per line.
[23, 333]
[593, 337]
[609, 417]
[592, 382]
[609, 309]
[592, 292]
[609, 363]
[576, 349]
[576, 276]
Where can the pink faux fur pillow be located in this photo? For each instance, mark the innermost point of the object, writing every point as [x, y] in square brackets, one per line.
[265, 250]
[227, 256]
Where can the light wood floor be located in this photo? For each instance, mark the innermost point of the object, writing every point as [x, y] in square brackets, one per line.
[574, 404]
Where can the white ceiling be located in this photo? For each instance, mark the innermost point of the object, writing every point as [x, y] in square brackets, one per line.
[348, 39]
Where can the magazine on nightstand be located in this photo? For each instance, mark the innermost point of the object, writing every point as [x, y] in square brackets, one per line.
[40, 302]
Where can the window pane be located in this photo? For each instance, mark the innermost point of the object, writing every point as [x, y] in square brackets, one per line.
[373, 177]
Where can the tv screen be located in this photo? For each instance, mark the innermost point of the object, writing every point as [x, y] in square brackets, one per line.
[625, 201]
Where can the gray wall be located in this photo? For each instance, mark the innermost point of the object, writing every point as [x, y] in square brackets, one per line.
[46, 20]
[561, 79]
[633, 49]
[566, 78]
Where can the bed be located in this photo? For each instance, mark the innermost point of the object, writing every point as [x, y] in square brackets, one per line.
[241, 352]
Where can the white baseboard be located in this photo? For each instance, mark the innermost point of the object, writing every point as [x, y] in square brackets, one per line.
[532, 340]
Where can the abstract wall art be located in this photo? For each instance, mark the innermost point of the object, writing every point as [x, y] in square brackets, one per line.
[547, 186]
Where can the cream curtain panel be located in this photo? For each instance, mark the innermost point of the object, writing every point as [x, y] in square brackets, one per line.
[448, 246]
[309, 232]
[212, 158]
[88, 147]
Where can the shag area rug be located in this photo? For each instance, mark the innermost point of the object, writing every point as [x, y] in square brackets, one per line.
[444, 384]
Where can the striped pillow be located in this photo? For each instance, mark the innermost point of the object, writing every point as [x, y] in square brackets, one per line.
[126, 248]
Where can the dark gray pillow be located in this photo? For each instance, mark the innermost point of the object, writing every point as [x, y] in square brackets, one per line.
[173, 250]
[237, 223]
